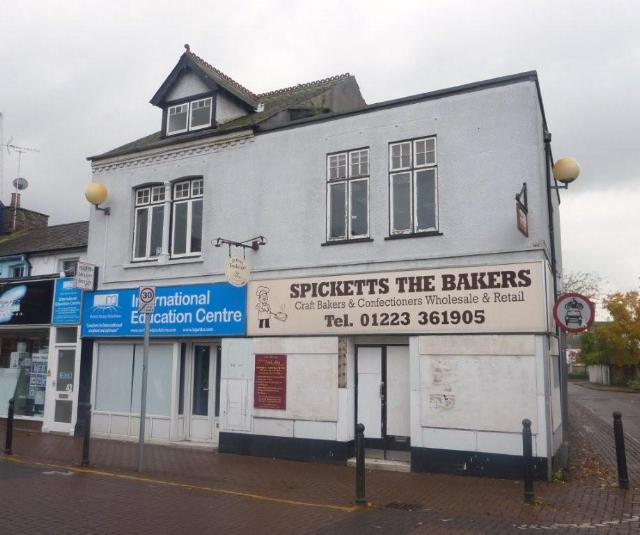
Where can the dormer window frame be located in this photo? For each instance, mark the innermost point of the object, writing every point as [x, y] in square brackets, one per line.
[191, 109]
[189, 102]
[188, 112]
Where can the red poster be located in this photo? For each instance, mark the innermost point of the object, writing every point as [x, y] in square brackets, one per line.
[270, 384]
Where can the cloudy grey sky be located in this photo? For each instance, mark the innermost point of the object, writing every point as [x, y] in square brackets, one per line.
[77, 77]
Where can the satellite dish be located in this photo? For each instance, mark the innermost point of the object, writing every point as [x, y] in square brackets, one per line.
[20, 183]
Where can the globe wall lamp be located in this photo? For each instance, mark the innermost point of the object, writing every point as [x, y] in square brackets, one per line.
[565, 171]
[96, 193]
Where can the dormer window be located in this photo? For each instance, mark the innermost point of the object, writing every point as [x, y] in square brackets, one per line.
[189, 116]
[200, 114]
[177, 121]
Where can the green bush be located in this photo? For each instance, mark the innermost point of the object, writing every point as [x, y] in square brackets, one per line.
[634, 384]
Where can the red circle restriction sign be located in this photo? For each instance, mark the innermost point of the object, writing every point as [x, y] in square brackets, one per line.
[574, 312]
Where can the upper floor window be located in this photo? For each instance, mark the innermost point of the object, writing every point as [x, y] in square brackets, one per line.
[187, 218]
[413, 185]
[69, 266]
[17, 272]
[189, 116]
[149, 222]
[348, 195]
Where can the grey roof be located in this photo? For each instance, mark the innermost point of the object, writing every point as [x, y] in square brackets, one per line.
[46, 239]
[274, 102]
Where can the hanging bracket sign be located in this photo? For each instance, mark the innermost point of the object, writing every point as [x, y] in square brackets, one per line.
[237, 271]
[574, 312]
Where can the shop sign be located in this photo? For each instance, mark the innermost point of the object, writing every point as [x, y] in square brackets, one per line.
[484, 299]
[193, 310]
[237, 271]
[26, 303]
[574, 312]
[270, 384]
[86, 276]
[67, 303]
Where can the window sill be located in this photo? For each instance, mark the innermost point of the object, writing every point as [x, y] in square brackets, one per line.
[169, 262]
[414, 235]
[342, 242]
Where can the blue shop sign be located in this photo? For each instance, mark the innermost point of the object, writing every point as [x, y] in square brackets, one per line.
[195, 310]
[67, 302]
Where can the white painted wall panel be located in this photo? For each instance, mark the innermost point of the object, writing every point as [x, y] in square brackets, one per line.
[188, 84]
[451, 439]
[227, 109]
[506, 443]
[315, 430]
[477, 345]
[478, 392]
[312, 389]
[301, 345]
[273, 427]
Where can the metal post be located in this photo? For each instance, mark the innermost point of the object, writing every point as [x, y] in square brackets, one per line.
[621, 456]
[143, 398]
[9, 437]
[360, 499]
[87, 437]
[527, 460]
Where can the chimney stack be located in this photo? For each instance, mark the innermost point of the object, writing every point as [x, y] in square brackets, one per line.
[15, 200]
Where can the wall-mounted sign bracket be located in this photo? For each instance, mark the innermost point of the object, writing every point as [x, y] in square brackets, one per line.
[251, 243]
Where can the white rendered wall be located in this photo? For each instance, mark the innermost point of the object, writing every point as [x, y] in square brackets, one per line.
[274, 185]
[227, 109]
[50, 264]
[187, 85]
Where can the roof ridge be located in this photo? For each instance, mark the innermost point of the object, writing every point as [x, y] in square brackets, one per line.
[222, 75]
[64, 224]
[297, 87]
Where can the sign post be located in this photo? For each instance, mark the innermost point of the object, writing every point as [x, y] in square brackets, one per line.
[146, 304]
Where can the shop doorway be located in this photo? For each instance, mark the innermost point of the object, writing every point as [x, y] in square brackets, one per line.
[383, 396]
[62, 384]
[202, 392]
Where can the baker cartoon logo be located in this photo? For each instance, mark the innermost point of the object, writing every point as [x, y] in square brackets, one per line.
[264, 309]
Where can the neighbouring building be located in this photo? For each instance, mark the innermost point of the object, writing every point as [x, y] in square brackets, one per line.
[391, 286]
[39, 318]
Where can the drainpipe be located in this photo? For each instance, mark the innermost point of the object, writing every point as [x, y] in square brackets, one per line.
[163, 258]
[25, 259]
[562, 368]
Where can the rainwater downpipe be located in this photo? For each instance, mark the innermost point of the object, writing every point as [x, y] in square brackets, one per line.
[562, 375]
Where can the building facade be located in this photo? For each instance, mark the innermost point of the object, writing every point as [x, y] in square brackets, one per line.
[40, 310]
[393, 286]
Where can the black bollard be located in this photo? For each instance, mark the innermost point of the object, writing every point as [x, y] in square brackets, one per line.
[527, 460]
[87, 437]
[8, 444]
[360, 499]
[621, 456]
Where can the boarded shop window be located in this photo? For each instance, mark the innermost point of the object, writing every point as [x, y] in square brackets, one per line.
[119, 374]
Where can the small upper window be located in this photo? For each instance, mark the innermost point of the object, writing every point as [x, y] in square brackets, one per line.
[69, 266]
[400, 155]
[177, 120]
[200, 114]
[337, 166]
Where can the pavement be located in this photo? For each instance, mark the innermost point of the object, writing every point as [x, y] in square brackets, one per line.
[185, 490]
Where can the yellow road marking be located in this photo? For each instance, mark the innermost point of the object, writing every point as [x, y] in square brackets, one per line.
[130, 477]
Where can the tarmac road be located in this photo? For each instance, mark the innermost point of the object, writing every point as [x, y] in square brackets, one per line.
[603, 403]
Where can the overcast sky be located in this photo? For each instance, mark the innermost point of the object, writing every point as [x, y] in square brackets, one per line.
[76, 79]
